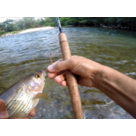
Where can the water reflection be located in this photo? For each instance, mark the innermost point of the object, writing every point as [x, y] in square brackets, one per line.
[30, 52]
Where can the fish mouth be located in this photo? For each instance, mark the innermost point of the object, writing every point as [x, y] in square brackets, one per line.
[43, 73]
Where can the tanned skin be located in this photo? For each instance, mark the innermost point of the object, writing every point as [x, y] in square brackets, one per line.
[118, 86]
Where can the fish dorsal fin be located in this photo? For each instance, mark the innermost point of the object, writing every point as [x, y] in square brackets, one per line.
[41, 96]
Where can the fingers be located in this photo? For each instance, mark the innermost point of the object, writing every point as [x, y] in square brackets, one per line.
[2, 105]
[55, 70]
[59, 78]
[58, 66]
[25, 118]
[22, 118]
[3, 112]
[63, 83]
[4, 115]
[53, 75]
[33, 112]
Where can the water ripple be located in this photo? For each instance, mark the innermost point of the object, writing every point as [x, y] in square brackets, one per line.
[30, 52]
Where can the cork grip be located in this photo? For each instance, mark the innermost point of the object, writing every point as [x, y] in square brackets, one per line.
[71, 80]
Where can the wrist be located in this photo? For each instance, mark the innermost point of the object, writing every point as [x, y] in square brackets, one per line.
[103, 74]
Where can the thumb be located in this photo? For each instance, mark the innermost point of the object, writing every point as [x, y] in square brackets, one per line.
[59, 66]
[3, 112]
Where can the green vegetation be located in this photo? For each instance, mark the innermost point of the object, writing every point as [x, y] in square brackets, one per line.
[128, 23]
[107, 22]
[12, 26]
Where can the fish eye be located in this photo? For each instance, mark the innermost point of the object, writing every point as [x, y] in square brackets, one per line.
[36, 75]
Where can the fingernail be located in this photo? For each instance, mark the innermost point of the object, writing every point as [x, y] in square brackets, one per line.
[50, 68]
[4, 115]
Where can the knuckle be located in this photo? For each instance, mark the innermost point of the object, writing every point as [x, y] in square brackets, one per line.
[60, 60]
[73, 61]
[57, 66]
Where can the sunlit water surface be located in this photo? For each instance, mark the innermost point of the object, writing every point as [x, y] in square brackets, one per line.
[23, 54]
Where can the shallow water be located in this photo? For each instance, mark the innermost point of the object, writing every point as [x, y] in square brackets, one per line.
[23, 54]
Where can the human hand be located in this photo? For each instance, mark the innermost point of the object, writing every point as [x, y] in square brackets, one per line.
[86, 71]
[4, 114]
[116, 85]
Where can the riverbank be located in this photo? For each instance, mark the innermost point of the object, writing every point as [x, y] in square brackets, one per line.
[36, 29]
[49, 27]
[118, 27]
[26, 31]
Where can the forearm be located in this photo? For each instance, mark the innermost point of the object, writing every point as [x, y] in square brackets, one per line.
[119, 87]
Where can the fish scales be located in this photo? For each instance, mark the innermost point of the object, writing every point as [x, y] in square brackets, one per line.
[11, 105]
[26, 104]
[19, 98]
[23, 103]
[11, 101]
[23, 108]
[19, 104]
[29, 106]
[16, 103]
[26, 109]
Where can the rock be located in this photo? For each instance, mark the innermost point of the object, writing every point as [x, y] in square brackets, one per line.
[104, 26]
[119, 26]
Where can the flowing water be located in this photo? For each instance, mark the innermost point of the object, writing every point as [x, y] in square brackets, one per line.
[26, 53]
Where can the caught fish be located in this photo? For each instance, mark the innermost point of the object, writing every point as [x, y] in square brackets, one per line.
[22, 97]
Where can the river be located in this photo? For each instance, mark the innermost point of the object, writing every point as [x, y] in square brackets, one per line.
[26, 53]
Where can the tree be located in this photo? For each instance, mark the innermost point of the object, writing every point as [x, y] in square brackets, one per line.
[28, 22]
[50, 21]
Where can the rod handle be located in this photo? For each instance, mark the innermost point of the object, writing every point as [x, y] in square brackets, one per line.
[71, 79]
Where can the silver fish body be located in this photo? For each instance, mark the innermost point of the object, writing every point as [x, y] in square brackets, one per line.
[19, 98]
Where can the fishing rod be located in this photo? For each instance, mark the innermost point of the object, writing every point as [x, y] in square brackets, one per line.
[70, 77]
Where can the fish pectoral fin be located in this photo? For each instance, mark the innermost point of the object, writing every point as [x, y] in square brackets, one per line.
[41, 96]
